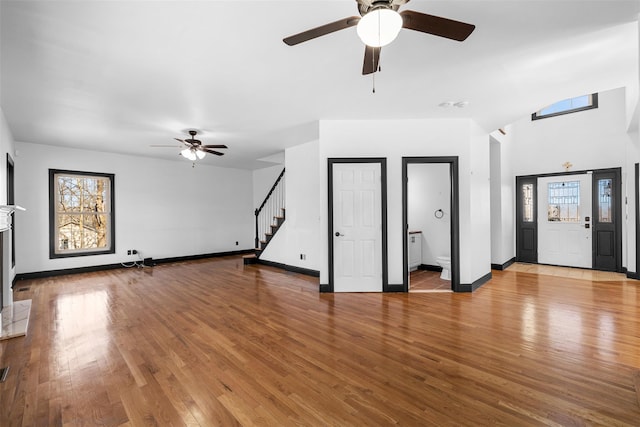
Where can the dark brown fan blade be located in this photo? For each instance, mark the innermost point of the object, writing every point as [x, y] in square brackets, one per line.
[178, 139]
[436, 25]
[217, 153]
[215, 146]
[321, 31]
[371, 60]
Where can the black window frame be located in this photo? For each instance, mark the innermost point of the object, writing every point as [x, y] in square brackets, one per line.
[52, 215]
[594, 104]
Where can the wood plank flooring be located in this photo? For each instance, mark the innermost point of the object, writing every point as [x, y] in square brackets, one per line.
[217, 343]
[428, 281]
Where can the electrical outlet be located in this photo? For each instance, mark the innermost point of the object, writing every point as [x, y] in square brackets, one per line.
[129, 252]
[303, 256]
[236, 243]
[134, 251]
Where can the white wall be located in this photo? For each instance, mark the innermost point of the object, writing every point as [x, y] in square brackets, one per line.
[479, 209]
[6, 147]
[163, 208]
[393, 139]
[502, 198]
[300, 233]
[592, 139]
[429, 189]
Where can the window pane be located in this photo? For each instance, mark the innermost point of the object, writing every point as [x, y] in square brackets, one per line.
[564, 201]
[81, 194]
[604, 200]
[80, 231]
[527, 202]
[579, 103]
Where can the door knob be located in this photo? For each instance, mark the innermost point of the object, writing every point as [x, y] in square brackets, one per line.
[338, 234]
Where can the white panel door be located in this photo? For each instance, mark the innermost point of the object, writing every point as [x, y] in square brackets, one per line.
[564, 212]
[357, 226]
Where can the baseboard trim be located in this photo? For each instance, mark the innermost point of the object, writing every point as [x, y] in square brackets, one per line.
[293, 268]
[63, 272]
[633, 275]
[391, 287]
[504, 265]
[471, 287]
[202, 256]
[94, 268]
[325, 288]
[429, 267]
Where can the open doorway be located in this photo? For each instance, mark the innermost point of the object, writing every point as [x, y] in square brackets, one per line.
[431, 224]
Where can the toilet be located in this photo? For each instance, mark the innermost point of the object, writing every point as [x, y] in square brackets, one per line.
[445, 263]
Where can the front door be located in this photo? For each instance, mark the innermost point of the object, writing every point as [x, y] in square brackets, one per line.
[357, 227]
[565, 220]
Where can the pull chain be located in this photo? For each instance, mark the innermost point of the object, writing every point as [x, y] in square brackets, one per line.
[373, 79]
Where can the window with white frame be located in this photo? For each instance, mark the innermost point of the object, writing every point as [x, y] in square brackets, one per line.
[81, 220]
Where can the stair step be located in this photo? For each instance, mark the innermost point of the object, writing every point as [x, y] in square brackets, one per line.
[249, 259]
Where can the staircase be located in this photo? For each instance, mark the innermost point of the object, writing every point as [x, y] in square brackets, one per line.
[269, 218]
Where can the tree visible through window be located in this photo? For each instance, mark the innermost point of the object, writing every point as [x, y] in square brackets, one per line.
[81, 213]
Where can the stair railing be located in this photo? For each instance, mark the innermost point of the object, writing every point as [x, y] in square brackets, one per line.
[270, 208]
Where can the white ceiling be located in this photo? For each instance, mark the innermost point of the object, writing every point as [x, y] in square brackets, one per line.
[119, 76]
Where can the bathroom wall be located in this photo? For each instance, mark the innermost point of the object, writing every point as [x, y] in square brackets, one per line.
[429, 189]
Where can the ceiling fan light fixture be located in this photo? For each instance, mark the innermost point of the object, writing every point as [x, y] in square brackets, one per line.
[200, 154]
[188, 153]
[379, 27]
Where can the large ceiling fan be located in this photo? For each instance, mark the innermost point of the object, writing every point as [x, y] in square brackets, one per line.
[378, 25]
[194, 147]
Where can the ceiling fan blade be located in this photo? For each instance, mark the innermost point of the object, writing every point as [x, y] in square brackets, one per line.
[215, 146]
[371, 60]
[321, 31]
[178, 139]
[436, 25]
[217, 153]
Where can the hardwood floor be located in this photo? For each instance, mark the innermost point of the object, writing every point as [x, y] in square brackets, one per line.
[428, 281]
[214, 342]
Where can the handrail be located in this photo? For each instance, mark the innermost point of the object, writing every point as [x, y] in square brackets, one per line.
[275, 184]
[274, 208]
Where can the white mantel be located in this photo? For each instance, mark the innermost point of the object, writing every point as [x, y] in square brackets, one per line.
[5, 215]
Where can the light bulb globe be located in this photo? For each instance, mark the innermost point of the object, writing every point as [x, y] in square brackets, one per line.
[379, 27]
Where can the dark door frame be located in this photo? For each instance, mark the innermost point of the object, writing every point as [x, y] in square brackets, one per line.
[11, 200]
[637, 206]
[383, 205]
[524, 254]
[601, 259]
[454, 208]
[617, 209]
